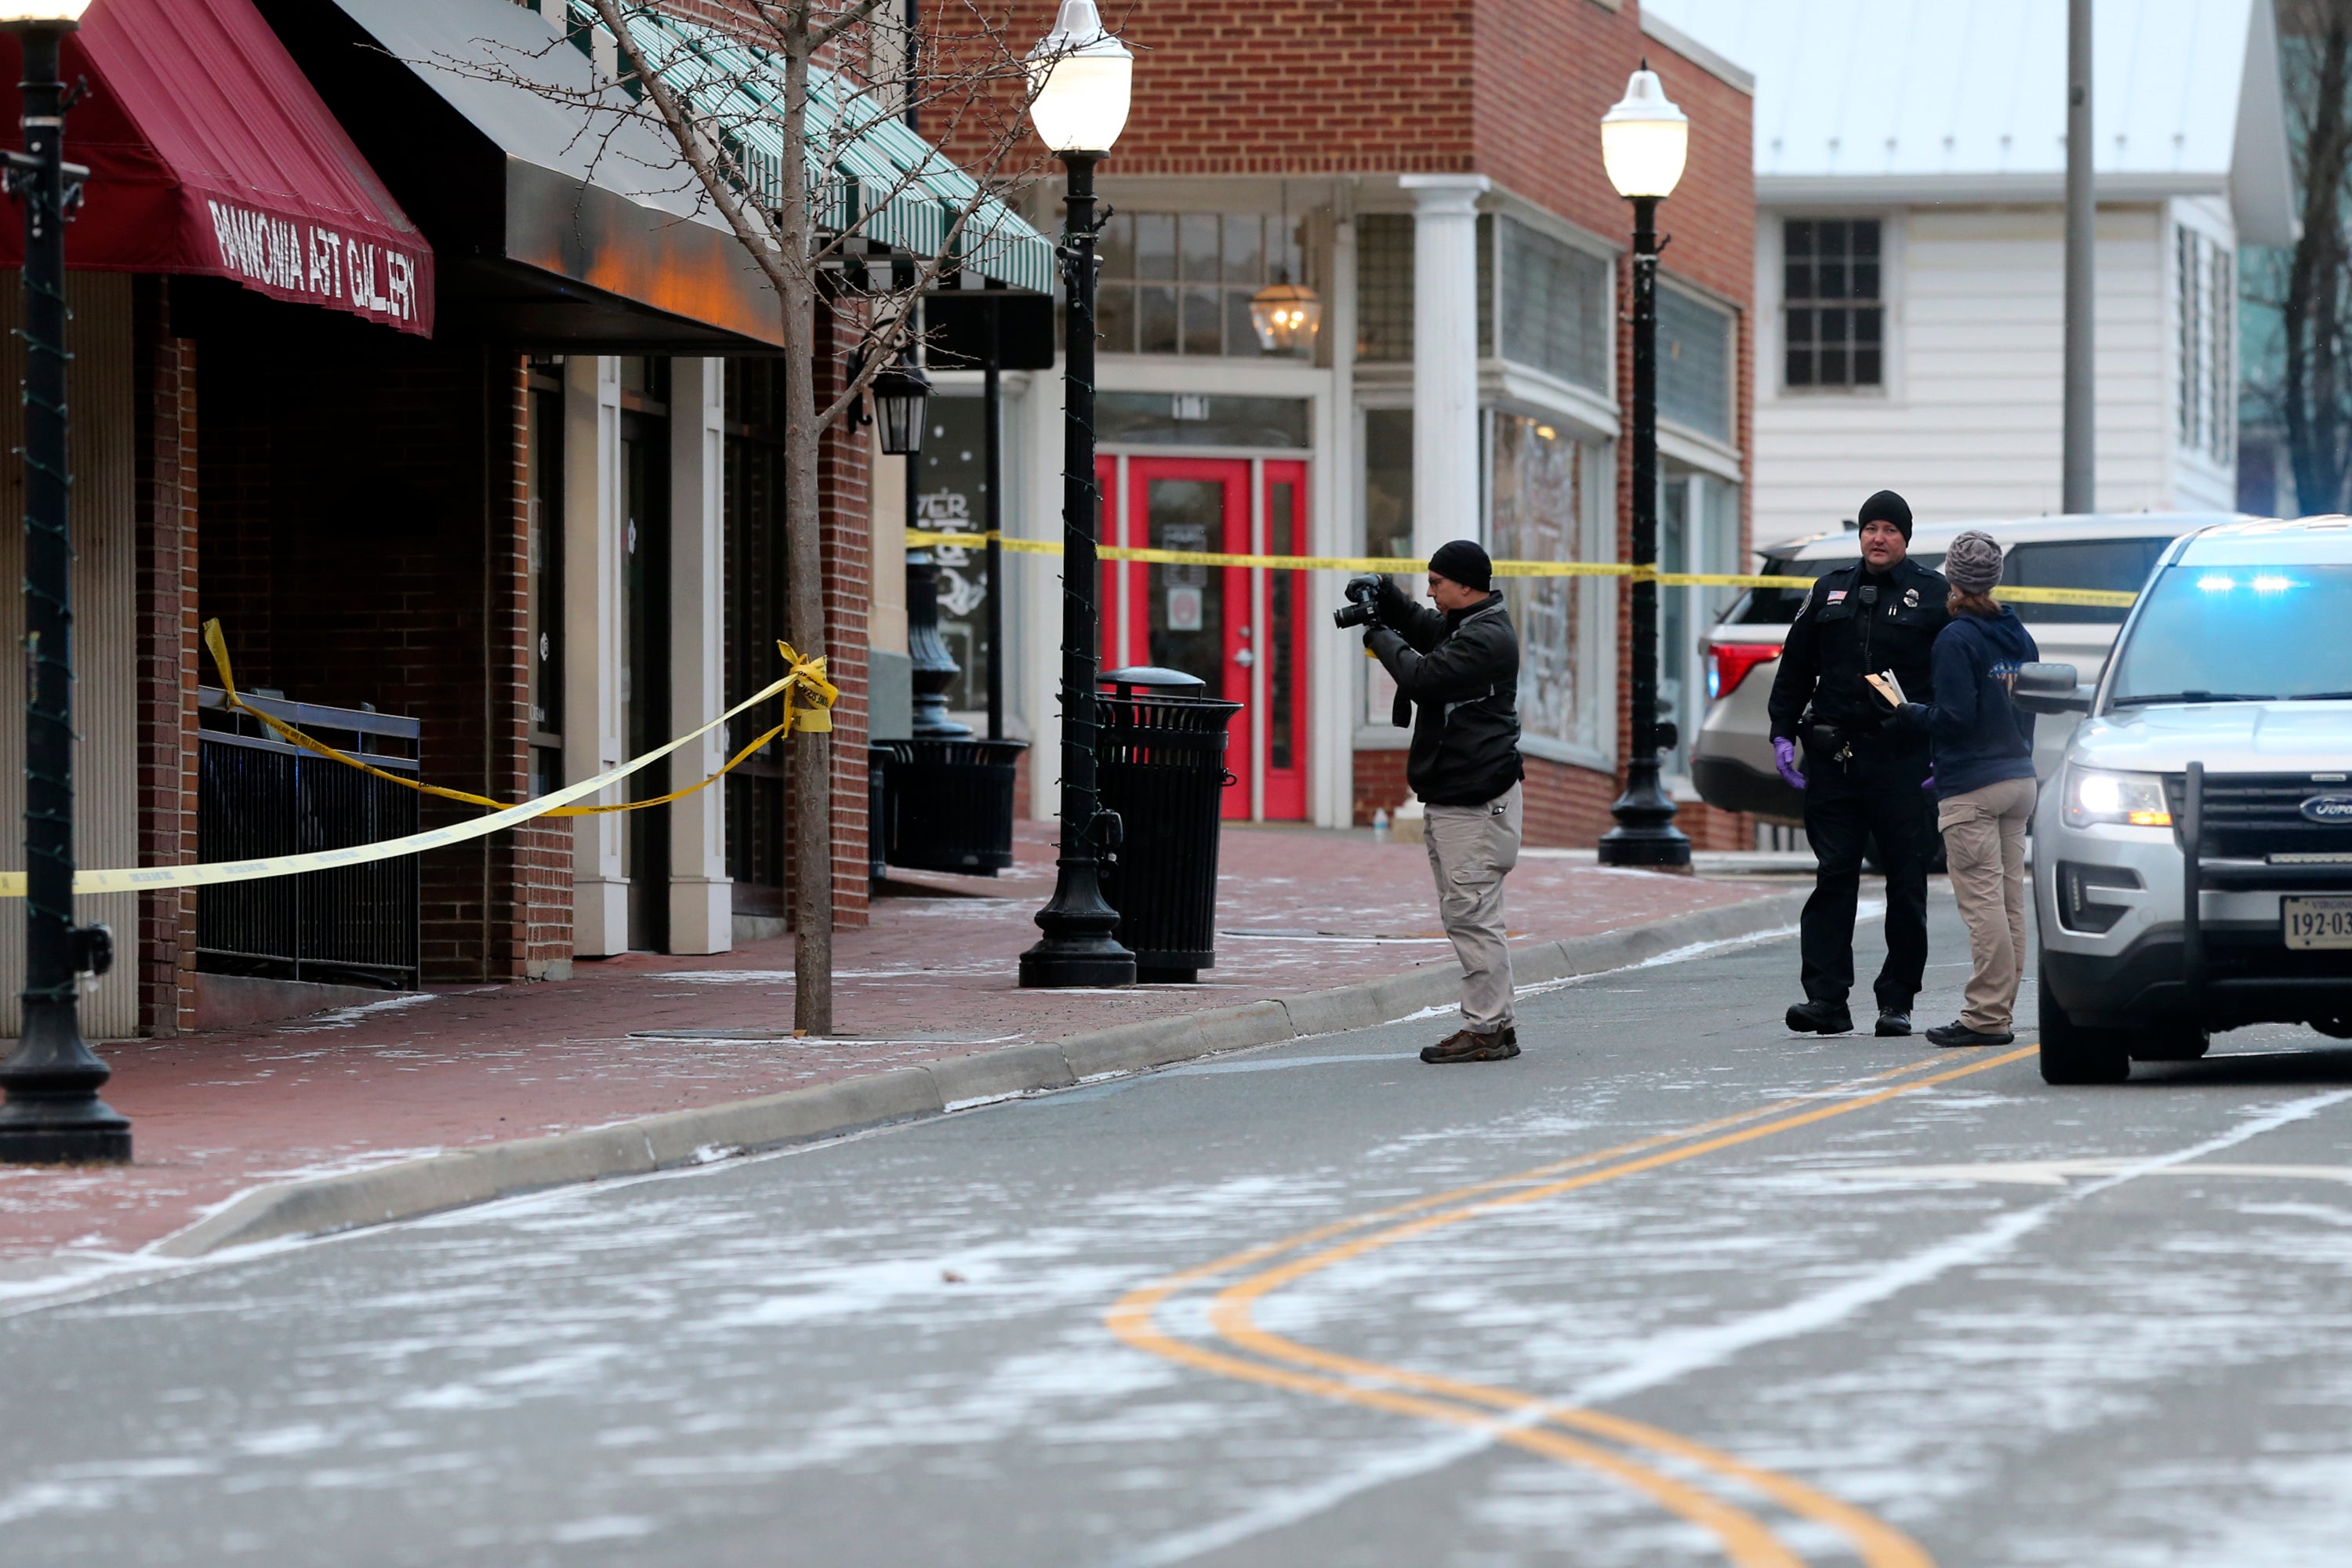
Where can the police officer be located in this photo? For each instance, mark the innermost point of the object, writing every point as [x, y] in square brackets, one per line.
[1864, 769]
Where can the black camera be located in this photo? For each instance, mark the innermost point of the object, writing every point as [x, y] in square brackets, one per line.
[1361, 608]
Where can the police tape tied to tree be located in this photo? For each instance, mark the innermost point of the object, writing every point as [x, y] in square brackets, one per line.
[803, 681]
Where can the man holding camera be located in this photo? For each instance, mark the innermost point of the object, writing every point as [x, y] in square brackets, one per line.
[1863, 768]
[1456, 668]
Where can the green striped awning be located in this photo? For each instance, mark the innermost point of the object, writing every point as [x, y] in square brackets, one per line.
[870, 176]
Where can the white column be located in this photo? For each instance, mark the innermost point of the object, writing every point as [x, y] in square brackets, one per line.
[1334, 664]
[591, 644]
[702, 899]
[1445, 357]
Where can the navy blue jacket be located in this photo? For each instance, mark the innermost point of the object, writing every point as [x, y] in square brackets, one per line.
[1979, 737]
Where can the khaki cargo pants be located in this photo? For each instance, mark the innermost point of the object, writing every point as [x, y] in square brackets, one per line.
[1984, 846]
[1471, 848]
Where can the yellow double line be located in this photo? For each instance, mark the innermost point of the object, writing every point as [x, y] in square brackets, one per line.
[1526, 1421]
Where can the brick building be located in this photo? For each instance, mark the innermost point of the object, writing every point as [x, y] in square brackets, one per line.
[464, 435]
[1434, 173]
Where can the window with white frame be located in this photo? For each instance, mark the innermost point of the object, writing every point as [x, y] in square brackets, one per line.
[1698, 532]
[1555, 314]
[2205, 390]
[1832, 313]
[1179, 283]
[1695, 359]
[1545, 498]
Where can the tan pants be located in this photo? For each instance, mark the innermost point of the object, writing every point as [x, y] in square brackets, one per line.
[1470, 849]
[1984, 845]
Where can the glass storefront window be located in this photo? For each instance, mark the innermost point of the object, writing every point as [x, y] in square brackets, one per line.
[1179, 283]
[1699, 530]
[954, 499]
[1695, 359]
[1555, 307]
[1200, 419]
[1387, 524]
[1545, 498]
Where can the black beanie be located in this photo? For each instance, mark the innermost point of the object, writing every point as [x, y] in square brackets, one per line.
[1886, 507]
[1462, 561]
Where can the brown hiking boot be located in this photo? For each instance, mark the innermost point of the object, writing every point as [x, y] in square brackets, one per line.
[1463, 1046]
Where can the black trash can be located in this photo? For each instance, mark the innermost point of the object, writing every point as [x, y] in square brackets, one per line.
[1159, 759]
[948, 804]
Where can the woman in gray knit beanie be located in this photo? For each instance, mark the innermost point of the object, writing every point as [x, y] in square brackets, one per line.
[1983, 749]
[1972, 565]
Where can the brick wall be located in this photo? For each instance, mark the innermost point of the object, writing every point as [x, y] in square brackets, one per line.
[528, 914]
[164, 498]
[1567, 806]
[845, 526]
[1379, 783]
[364, 542]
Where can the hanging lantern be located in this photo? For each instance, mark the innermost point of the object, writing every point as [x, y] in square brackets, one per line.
[902, 395]
[1286, 315]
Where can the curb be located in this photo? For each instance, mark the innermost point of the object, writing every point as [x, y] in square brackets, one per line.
[326, 1204]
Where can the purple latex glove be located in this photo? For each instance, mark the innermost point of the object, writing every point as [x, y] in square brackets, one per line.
[1929, 782]
[1784, 757]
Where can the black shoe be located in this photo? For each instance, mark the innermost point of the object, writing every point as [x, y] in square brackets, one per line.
[1820, 1018]
[1464, 1046]
[1957, 1034]
[1893, 1022]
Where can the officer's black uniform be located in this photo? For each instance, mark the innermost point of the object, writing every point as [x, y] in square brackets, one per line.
[1861, 776]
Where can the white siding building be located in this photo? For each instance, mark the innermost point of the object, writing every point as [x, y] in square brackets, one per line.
[1910, 162]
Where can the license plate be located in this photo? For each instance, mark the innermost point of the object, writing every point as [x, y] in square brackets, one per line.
[2318, 922]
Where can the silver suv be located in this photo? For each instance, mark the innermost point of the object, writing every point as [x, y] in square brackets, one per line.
[1731, 763]
[2192, 864]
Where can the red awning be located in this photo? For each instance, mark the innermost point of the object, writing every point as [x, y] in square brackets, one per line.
[210, 152]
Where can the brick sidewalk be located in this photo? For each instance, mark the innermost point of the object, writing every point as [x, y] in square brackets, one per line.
[216, 1113]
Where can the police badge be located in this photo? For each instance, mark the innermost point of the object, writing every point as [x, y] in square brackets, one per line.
[1910, 598]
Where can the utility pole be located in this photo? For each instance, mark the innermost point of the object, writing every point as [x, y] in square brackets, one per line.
[2079, 485]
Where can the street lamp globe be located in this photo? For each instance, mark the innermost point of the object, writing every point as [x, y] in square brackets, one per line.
[17, 13]
[1079, 80]
[1644, 139]
[902, 397]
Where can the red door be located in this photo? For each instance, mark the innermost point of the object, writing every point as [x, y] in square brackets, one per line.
[1240, 630]
[1283, 611]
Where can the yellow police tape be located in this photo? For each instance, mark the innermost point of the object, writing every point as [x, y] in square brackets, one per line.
[932, 538]
[802, 674]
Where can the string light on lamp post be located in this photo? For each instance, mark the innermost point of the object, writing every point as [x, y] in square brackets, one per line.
[1080, 81]
[53, 1114]
[1644, 141]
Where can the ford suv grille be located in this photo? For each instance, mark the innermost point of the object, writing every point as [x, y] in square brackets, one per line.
[2249, 815]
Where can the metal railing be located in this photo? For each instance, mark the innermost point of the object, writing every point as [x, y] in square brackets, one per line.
[258, 796]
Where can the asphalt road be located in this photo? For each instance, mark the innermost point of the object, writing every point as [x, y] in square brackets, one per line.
[1671, 1288]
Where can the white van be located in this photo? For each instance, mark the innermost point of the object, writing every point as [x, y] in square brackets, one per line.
[1731, 763]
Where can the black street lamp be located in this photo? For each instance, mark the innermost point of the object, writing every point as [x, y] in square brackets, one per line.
[1080, 78]
[1644, 141]
[53, 1115]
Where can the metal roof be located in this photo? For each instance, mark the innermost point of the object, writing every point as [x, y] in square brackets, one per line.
[870, 175]
[1909, 101]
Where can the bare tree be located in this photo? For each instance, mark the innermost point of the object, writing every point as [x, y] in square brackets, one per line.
[2315, 393]
[746, 97]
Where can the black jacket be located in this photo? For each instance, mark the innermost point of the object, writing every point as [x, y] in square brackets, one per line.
[1978, 734]
[1461, 670]
[1836, 638]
